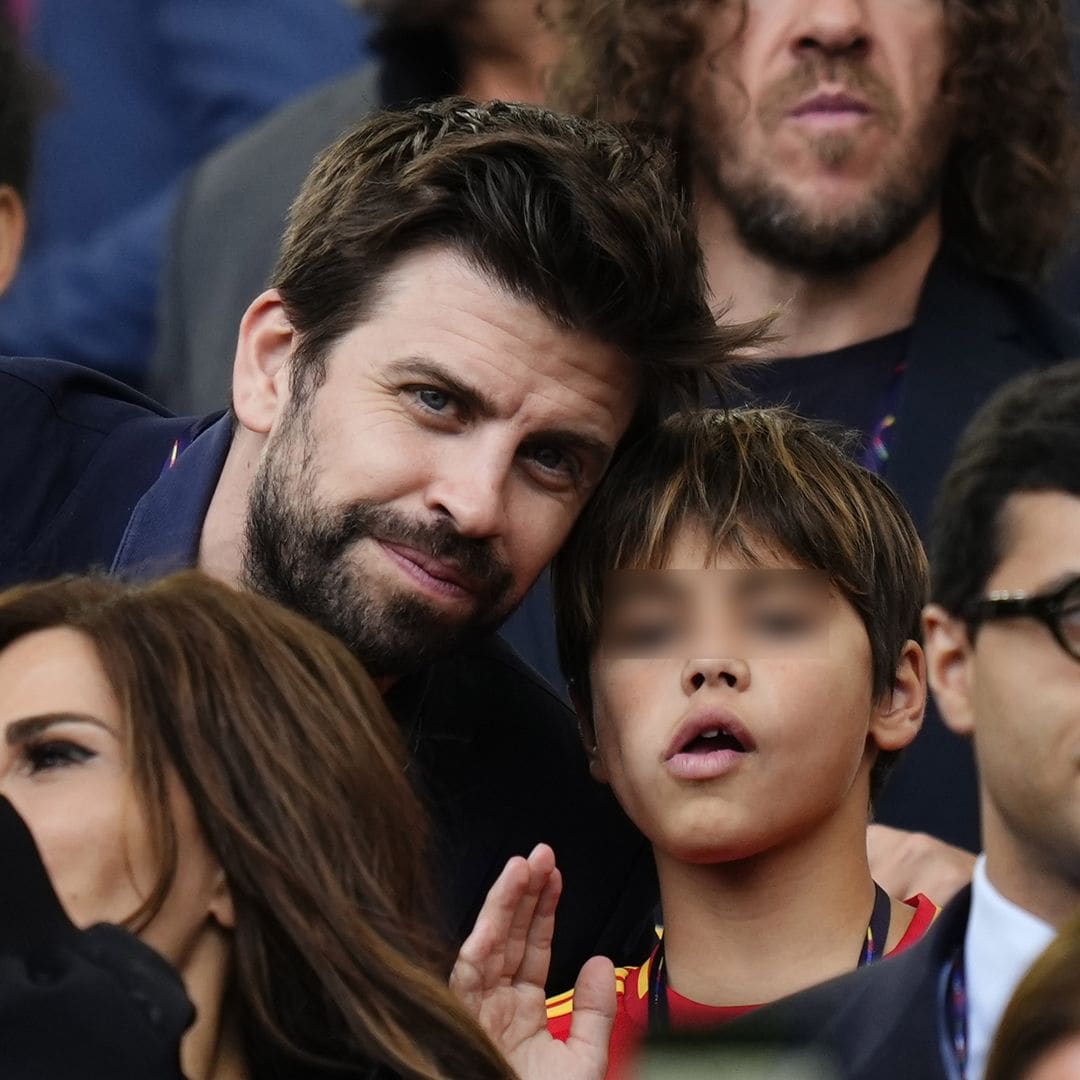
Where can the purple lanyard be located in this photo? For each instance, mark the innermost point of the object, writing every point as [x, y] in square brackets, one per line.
[876, 455]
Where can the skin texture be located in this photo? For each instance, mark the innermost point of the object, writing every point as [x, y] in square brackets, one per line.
[70, 783]
[1017, 693]
[472, 497]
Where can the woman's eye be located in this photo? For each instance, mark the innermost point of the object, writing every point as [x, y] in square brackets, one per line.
[55, 754]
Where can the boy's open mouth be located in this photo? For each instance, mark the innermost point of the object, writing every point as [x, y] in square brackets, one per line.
[711, 740]
[710, 731]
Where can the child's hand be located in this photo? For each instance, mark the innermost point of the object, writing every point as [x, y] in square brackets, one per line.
[502, 967]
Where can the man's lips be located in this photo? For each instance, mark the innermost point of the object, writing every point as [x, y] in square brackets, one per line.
[442, 576]
[826, 104]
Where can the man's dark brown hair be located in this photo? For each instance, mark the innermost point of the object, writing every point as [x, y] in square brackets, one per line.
[759, 482]
[575, 216]
[1010, 178]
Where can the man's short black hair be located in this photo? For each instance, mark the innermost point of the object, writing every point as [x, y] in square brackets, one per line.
[23, 95]
[1026, 438]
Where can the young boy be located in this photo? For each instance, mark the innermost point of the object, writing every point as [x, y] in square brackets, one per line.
[736, 612]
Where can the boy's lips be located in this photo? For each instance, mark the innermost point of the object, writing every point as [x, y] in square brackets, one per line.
[692, 753]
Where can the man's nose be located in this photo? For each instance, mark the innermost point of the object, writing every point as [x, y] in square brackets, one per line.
[831, 28]
[701, 673]
[470, 488]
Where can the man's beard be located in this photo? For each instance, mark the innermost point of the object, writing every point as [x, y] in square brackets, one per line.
[772, 223]
[298, 553]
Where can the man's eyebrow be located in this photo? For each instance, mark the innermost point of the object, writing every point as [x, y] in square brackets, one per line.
[419, 367]
[21, 731]
[479, 404]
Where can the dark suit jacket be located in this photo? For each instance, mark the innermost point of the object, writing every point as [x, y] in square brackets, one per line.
[886, 1021]
[84, 482]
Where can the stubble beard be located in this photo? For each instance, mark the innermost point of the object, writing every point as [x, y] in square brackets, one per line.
[302, 554]
[772, 223]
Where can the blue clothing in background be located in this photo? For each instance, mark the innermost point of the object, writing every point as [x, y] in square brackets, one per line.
[147, 89]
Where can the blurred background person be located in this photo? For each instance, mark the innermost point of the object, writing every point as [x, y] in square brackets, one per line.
[893, 179]
[146, 89]
[228, 224]
[1039, 1035]
[222, 778]
[23, 94]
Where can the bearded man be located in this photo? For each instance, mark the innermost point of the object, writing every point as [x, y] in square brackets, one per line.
[473, 307]
[891, 177]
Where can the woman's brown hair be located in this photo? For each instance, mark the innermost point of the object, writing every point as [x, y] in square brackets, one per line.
[1010, 180]
[297, 776]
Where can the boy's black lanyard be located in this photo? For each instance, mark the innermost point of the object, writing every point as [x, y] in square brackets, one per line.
[873, 948]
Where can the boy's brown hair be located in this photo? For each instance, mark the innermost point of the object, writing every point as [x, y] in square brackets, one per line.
[758, 480]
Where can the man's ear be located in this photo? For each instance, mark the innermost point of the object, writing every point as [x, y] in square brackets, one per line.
[587, 730]
[222, 910]
[898, 716]
[949, 660]
[12, 233]
[261, 369]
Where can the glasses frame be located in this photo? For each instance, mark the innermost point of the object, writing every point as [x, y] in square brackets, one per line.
[1045, 607]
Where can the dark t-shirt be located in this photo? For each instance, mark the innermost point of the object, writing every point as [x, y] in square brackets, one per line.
[850, 386]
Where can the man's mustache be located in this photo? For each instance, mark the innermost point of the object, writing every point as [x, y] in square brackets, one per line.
[473, 558]
[843, 72]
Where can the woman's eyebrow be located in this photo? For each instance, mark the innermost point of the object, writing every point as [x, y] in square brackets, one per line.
[29, 727]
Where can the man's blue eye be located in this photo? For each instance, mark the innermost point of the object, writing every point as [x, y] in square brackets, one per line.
[436, 400]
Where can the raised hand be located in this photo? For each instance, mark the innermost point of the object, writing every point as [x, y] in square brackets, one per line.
[502, 967]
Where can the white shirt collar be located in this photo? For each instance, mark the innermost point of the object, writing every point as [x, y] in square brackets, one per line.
[1001, 943]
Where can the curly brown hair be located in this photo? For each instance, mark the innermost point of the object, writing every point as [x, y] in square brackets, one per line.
[1011, 177]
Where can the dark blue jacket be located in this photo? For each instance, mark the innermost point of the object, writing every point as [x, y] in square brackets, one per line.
[94, 475]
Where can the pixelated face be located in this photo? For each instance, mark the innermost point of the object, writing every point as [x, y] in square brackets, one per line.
[63, 767]
[1017, 691]
[733, 704]
[821, 124]
[413, 499]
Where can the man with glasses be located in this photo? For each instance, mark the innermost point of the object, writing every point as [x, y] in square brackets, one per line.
[1002, 640]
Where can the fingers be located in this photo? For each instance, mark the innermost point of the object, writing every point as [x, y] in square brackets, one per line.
[493, 953]
[535, 960]
[594, 1012]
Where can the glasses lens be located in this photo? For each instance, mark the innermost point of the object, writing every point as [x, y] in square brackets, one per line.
[1068, 618]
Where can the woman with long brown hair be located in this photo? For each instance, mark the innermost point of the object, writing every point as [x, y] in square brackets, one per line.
[221, 777]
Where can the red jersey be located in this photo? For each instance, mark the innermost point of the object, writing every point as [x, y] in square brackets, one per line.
[632, 1010]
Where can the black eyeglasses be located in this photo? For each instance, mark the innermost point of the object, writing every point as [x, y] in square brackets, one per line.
[1059, 611]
